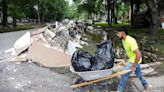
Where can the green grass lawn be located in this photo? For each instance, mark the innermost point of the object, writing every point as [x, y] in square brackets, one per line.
[91, 47]
[161, 31]
[105, 24]
[26, 26]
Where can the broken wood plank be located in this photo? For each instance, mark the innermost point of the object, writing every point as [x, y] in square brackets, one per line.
[150, 64]
[39, 31]
[100, 79]
[121, 62]
[50, 33]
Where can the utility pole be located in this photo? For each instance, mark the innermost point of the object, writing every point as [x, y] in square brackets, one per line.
[37, 9]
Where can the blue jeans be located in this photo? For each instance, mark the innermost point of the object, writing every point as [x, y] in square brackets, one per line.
[125, 77]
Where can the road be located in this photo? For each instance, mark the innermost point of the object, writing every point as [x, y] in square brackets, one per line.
[7, 39]
[28, 77]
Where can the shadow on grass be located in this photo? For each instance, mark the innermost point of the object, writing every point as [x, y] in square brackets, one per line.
[21, 27]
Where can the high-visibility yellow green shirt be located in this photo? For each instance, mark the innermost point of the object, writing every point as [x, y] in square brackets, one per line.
[130, 44]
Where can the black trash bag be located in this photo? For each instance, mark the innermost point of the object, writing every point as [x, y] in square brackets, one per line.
[97, 64]
[104, 56]
[81, 61]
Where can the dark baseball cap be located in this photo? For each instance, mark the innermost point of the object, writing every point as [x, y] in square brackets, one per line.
[122, 29]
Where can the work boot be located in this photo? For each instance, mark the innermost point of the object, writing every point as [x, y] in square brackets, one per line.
[148, 88]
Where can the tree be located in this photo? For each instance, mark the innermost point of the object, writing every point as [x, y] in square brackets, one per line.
[48, 9]
[154, 14]
[122, 8]
[109, 12]
[15, 10]
[155, 10]
[4, 11]
[52, 9]
[161, 7]
[92, 8]
[113, 11]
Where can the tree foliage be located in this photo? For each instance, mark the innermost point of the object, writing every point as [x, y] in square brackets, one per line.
[90, 7]
[48, 9]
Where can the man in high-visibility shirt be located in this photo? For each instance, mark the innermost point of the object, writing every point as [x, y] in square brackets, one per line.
[134, 59]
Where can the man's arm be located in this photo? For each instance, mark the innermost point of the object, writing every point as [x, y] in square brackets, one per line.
[138, 57]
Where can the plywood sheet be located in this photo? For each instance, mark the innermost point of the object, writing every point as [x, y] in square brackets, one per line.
[48, 57]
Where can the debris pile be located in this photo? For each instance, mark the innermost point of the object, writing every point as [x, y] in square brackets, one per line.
[51, 46]
[149, 52]
[119, 52]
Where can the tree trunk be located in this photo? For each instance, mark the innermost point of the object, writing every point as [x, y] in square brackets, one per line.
[153, 14]
[43, 19]
[123, 17]
[129, 13]
[113, 10]
[137, 8]
[108, 12]
[154, 21]
[132, 15]
[4, 11]
[93, 18]
[14, 22]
